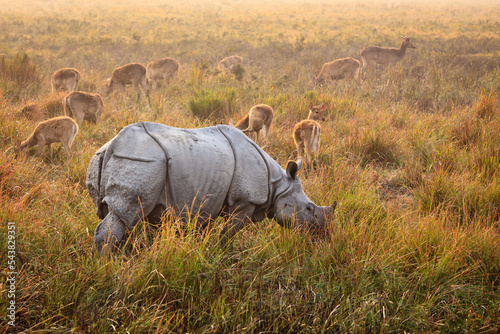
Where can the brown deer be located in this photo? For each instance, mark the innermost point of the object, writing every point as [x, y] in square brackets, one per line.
[260, 117]
[306, 133]
[165, 69]
[372, 55]
[337, 69]
[228, 63]
[54, 130]
[134, 73]
[65, 79]
[83, 106]
[317, 113]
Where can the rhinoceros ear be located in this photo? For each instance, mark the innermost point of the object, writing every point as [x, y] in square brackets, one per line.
[332, 207]
[292, 168]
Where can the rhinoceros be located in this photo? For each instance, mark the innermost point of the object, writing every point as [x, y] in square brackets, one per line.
[148, 168]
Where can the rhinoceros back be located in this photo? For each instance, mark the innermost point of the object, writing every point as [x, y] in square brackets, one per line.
[200, 167]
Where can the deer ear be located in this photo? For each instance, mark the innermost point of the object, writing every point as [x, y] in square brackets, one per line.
[311, 106]
[292, 168]
[323, 106]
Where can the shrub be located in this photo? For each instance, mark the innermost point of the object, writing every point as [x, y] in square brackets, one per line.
[373, 146]
[20, 70]
[17, 73]
[487, 104]
[465, 132]
[238, 72]
[208, 104]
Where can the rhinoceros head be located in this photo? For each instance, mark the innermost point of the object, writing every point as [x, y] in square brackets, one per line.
[293, 206]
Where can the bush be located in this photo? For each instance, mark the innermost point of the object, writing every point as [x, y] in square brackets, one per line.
[17, 73]
[373, 147]
[238, 72]
[487, 104]
[207, 104]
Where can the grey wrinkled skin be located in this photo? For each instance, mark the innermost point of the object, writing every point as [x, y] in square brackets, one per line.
[213, 171]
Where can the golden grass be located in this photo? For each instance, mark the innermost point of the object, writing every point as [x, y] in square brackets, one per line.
[411, 155]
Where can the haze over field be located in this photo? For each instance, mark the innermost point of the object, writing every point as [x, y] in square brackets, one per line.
[411, 154]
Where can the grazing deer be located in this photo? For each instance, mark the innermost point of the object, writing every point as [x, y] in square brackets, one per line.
[32, 112]
[134, 73]
[65, 79]
[228, 63]
[260, 117]
[54, 130]
[337, 69]
[306, 133]
[165, 69]
[83, 106]
[372, 55]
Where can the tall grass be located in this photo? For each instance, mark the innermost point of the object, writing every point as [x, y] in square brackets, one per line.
[411, 155]
[18, 73]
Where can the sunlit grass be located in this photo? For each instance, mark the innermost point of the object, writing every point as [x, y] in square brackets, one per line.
[411, 155]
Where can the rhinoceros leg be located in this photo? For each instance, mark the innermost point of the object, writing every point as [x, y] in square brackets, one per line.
[132, 189]
[236, 221]
[109, 233]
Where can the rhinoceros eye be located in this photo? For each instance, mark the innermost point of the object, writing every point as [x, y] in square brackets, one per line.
[309, 208]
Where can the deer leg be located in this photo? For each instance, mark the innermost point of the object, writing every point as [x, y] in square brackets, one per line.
[138, 92]
[98, 115]
[308, 154]
[41, 145]
[307, 149]
[299, 151]
[153, 84]
[67, 149]
[79, 119]
[49, 146]
[356, 76]
[316, 151]
[266, 131]
[146, 91]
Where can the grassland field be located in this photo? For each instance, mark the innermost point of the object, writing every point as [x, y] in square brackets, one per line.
[411, 155]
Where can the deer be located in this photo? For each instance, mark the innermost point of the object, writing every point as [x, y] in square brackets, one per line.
[133, 73]
[83, 106]
[61, 129]
[372, 55]
[65, 79]
[260, 117]
[228, 63]
[165, 69]
[337, 69]
[306, 133]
